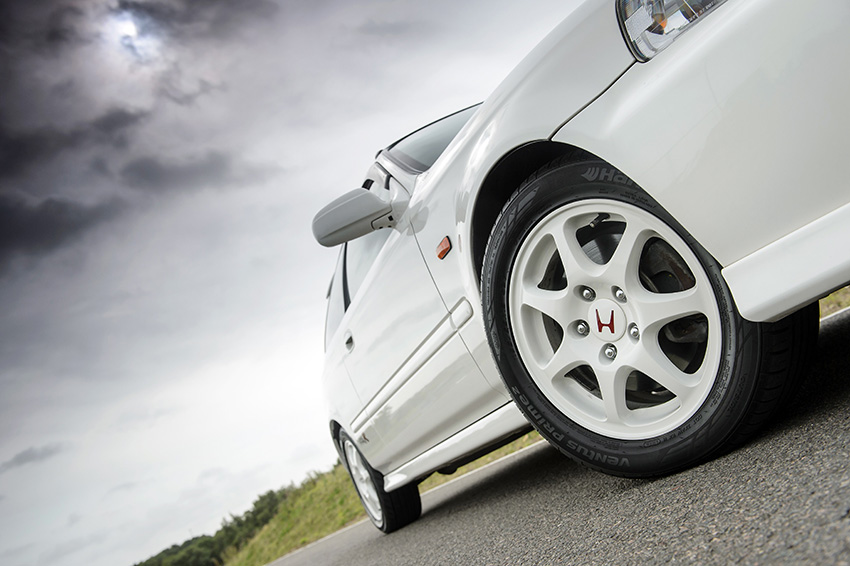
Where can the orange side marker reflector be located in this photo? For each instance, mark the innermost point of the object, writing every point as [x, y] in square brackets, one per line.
[444, 248]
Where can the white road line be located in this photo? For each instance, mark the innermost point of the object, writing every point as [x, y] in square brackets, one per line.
[836, 313]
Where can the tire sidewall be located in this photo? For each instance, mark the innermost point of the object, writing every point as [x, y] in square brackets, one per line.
[725, 406]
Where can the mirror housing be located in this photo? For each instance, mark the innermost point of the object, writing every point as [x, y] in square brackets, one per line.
[354, 214]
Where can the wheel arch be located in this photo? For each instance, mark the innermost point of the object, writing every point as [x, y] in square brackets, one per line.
[336, 428]
[501, 182]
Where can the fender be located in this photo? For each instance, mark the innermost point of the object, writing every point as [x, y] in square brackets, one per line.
[547, 88]
[726, 83]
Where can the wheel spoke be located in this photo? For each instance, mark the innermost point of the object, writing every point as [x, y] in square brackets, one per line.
[550, 303]
[657, 309]
[623, 265]
[612, 386]
[566, 358]
[651, 361]
[572, 256]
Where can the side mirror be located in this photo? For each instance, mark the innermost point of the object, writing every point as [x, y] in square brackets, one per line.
[354, 214]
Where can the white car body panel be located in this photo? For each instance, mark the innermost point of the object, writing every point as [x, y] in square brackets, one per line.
[448, 392]
[498, 424]
[740, 109]
[554, 84]
[442, 385]
[343, 401]
[745, 125]
[392, 349]
[560, 86]
[811, 250]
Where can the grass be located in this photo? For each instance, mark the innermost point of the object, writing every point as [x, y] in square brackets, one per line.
[438, 479]
[327, 502]
[323, 504]
[835, 302]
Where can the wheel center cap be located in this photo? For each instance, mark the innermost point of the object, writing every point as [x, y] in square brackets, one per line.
[607, 320]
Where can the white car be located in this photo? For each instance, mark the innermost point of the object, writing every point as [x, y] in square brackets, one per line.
[622, 246]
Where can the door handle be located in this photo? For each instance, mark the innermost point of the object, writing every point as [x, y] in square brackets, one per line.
[349, 341]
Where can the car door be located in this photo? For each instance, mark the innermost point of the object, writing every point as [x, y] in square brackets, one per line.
[413, 374]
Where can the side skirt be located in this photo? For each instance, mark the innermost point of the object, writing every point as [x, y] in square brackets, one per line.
[504, 422]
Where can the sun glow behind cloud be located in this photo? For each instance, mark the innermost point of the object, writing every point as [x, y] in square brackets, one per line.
[125, 26]
[121, 29]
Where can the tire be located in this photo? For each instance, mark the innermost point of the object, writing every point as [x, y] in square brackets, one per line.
[614, 330]
[388, 511]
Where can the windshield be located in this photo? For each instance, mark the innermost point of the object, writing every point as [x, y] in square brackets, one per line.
[419, 150]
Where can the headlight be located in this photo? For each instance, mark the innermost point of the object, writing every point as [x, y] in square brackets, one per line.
[651, 25]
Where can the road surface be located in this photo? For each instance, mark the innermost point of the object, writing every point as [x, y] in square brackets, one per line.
[784, 498]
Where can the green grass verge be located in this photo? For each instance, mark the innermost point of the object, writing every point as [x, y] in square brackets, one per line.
[835, 302]
[321, 505]
[327, 502]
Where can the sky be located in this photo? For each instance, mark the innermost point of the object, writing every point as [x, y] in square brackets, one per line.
[162, 297]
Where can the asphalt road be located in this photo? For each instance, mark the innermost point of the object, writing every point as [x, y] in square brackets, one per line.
[782, 499]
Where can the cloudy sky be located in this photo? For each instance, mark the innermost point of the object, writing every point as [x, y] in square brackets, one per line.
[162, 299]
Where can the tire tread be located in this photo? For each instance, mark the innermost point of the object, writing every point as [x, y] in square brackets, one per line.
[399, 507]
[402, 507]
[786, 348]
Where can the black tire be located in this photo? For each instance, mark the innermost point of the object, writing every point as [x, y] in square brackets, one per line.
[756, 366]
[388, 511]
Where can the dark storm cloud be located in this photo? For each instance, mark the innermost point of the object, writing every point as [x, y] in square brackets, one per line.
[41, 27]
[62, 27]
[19, 150]
[42, 227]
[31, 456]
[171, 89]
[115, 122]
[172, 84]
[196, 18]
[212, 170]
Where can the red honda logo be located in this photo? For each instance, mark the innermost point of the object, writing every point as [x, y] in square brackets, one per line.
[610, 324]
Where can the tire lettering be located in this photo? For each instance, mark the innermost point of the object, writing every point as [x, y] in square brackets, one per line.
[532, 413]
[594, 456]
[606, 174]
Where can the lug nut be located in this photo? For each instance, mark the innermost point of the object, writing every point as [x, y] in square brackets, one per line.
[610, 351]
[619, 294]
[588, 294]
[633, 331]
[582, 328]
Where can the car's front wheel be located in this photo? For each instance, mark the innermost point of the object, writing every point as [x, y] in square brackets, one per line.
[616, 333]
[389, 511]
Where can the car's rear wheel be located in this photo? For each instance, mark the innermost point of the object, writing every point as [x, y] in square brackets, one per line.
[388, 511]
[616, 333]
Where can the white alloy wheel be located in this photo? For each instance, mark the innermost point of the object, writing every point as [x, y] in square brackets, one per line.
[615, 332]
[363, 482]
[598, 344]
[388, 511]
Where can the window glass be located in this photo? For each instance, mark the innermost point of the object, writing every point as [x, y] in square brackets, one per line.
[336, 300]
[421, 149]
[360, 255]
